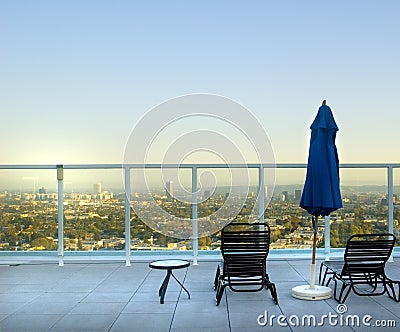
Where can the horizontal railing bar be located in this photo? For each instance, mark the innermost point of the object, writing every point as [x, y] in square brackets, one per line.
[93, 166]
[199, 166]
[378, 165]
[28, 166]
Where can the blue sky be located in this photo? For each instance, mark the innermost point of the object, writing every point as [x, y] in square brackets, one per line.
[75, 76]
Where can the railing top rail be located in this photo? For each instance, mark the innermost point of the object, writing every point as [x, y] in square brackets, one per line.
[188, 165]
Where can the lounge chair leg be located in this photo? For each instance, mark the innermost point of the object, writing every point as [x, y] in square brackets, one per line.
[319, 277]
[274, 295]
[220, 292]
[217, 277]
[346, 295]
[373, 281]
[390, 288]
[340, 299]
[397, 298]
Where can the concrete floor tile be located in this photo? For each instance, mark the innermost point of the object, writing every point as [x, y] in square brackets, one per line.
[143, 322]
[85, 322]
[29, 322]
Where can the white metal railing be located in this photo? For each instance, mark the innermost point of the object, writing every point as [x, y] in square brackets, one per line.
[194, 170]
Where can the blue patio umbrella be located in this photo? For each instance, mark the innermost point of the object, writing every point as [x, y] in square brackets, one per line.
[321, 192]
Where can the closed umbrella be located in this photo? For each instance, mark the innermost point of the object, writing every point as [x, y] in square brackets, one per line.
[321, 192]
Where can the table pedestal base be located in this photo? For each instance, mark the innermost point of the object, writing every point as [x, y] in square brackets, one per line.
[164, 285]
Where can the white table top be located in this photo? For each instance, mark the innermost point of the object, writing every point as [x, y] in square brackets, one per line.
[169, 264]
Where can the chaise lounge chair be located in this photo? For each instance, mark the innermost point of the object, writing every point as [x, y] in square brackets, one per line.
[363, 265]
[244, 249]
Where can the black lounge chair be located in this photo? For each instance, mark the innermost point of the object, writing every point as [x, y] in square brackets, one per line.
[244, 249]
[363, 264]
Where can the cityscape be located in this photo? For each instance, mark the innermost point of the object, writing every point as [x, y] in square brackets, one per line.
[95, 220]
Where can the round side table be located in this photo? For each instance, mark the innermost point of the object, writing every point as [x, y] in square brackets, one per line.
[169, 265]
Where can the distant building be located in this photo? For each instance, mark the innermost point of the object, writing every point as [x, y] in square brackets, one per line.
[207, 194]
[97, 189]
[362, 197]
[297, 194]
[271, 222]
[169, 189]
[385, 201]
[42, 194]
[285, 196]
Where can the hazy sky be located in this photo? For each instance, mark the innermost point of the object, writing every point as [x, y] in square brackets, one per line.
[75, 76]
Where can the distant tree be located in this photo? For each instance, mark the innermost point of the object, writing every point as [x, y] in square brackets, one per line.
[46, 243]
[205, 241]
[359, 213]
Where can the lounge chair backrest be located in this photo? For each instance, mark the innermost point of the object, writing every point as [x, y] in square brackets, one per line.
[245, 248]
[369, 247]
[245, 238]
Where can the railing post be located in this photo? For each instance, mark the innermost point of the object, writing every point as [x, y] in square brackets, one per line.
[327, 235]
[390, 202]
[60, 207]
[127, 177]
[261, 194]
[390, 198]
[195, 242]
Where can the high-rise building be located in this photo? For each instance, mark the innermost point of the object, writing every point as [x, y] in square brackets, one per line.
[97, 188]
[297, 194]
[169, 189]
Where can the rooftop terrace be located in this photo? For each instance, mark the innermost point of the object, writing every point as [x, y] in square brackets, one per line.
[110, 296]
[117, 291]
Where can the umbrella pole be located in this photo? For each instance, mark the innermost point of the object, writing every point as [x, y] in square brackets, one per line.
[314, 248]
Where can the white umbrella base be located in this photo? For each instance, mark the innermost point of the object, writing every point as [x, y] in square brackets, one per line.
[304, 292]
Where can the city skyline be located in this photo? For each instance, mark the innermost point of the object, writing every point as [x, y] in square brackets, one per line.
[85, 180]
[293, 190]
[75, 84]
[96, 221]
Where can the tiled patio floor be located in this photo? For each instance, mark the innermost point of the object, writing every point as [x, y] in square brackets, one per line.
[109, 296]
